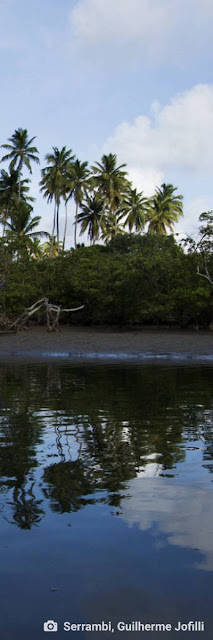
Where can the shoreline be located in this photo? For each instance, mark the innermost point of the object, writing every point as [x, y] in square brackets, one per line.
[107, 345]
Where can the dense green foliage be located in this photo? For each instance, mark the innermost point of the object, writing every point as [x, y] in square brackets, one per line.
[137, 274]
[133, 280]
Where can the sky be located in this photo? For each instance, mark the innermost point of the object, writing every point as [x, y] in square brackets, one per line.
[131, 77]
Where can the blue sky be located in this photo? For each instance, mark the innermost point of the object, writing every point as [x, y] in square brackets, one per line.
[129, 76]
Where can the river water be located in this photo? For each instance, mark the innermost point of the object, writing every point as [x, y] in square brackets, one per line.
[106, 498]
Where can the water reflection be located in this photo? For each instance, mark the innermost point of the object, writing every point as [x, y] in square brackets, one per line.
[72, 436]
[183, 514]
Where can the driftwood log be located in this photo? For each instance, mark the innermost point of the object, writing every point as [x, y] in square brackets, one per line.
[52, 315]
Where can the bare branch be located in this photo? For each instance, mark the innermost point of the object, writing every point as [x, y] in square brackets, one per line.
[205, 275]
[52, 315]
[76, 309]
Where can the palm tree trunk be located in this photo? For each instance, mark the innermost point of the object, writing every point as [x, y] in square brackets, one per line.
[19, 179]
[54, 218]
[65, 226]
[57, 224]
[76, 222]
[53, 231]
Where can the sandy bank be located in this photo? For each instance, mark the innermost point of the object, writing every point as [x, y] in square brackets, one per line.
[79, 343]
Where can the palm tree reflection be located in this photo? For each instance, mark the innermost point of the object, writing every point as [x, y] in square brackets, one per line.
[103, 426]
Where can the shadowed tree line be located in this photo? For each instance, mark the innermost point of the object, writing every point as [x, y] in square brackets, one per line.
[106, 426]
[134, 280]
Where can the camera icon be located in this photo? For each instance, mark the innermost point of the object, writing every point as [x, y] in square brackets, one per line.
[50, 625]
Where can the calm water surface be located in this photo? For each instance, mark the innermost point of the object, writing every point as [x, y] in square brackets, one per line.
[106, 497]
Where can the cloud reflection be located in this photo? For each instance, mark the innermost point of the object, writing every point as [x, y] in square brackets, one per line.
[184, 514]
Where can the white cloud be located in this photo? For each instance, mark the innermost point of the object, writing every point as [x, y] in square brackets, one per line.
[175, 140]
[159, 29]
[145, 179]
[178, 135]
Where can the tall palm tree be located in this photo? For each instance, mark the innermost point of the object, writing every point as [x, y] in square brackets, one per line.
[21, 152]
[21, 230]
[134, 208]
[90, 216]
[165, 209]
[77, 186]
[9, 188]
[50, 191]
[110, 181]
[53, 178]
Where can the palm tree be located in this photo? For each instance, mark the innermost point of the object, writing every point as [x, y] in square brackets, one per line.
[111, 227]
[21, 152]
[35, 250]
[134, 207]
[90, 216]
[165, 209]
[110, 181]
[9, 188]
[53, 179]
[77, 186]
[21, 228]
[50, 248]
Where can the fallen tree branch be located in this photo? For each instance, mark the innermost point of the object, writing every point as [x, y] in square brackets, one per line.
[52, 315]
[75, 309]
